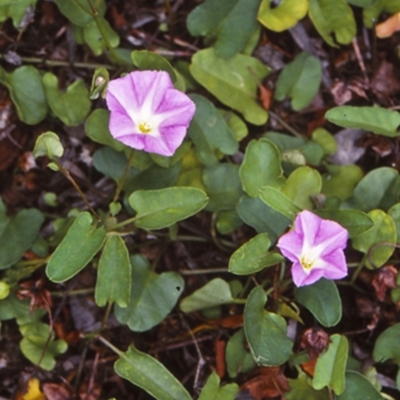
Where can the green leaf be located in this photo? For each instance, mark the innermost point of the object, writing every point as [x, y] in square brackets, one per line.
[378, 189]
[238, 358]
[39, 346]
[214, 293]
[261, 167]
[355, 221]
[27, 93]
[73, 105]
[384, 230]
[76, 14]
[253, 256]
[148, 60]
[16, 10]
[331, 366]
[282, 16]
[48, 144]
[213, 391]
[335, 17]
[302, 389]
[326, 140]
[231, 22]
[155, 177]
[279, 202]
[265, 331]
[94, 38]
[341, 180]
[157, 209]
[113, 273]
[152, 296]
[372, 12]
[375, 119]
[361, 3]
[96, 127]
[149, 374]
[210, 132]
[387, 345]
[18, 235]
[302, 184]
[79, 246]
[263, 218]
[322, 299]
[227, 221]
[394, 212]
[300, 81]
[112, 163]
[358, 387]
[234, 82]
[223, 186]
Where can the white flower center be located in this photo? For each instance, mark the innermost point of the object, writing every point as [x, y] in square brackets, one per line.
[145, 127]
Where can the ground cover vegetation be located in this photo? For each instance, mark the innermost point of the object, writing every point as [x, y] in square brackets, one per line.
[199, 199]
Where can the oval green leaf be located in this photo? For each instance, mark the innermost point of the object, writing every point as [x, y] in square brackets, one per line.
[331, 366]
[210, 132]
[48, 144]
[263, 218]
[78, 247]
[253, 256]
[374, 119]
[279, 202]
[384, 230]
[333, 17]
[322, 299]
[300, 80]
[283, 16]
[157, 209]
[261, 167]
[213, 391]
[358, 387]
[234, 81]
[387, 345]
[148, 60]
[71, 106]
[265, 331]
[214, 293]
[113, 273]
[151, 298]
[231, 22]
[149, 374]
[18, 235]
[27, 93]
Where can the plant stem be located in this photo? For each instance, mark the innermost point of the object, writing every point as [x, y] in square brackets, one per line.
[203, 271]
[59, 63]
[285, 125]
[111, 346]
[66, 173]
[124, 176]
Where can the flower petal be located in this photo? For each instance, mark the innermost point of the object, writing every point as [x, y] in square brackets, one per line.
[331, 236]
[334, 265]
[301, 278]
[307, 224]
[291, 244]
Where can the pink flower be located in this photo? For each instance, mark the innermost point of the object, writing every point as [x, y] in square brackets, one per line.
[147, 112]
[315, 246]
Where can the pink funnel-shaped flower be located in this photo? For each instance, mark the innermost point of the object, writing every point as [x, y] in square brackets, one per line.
[147, 112]
[315, 246]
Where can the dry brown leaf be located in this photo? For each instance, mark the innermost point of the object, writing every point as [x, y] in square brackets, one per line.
[384, 279]
[268, 383]
[386, 28]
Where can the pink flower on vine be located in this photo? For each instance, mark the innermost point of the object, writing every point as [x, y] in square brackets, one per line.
[315, 246]
[147, 112]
